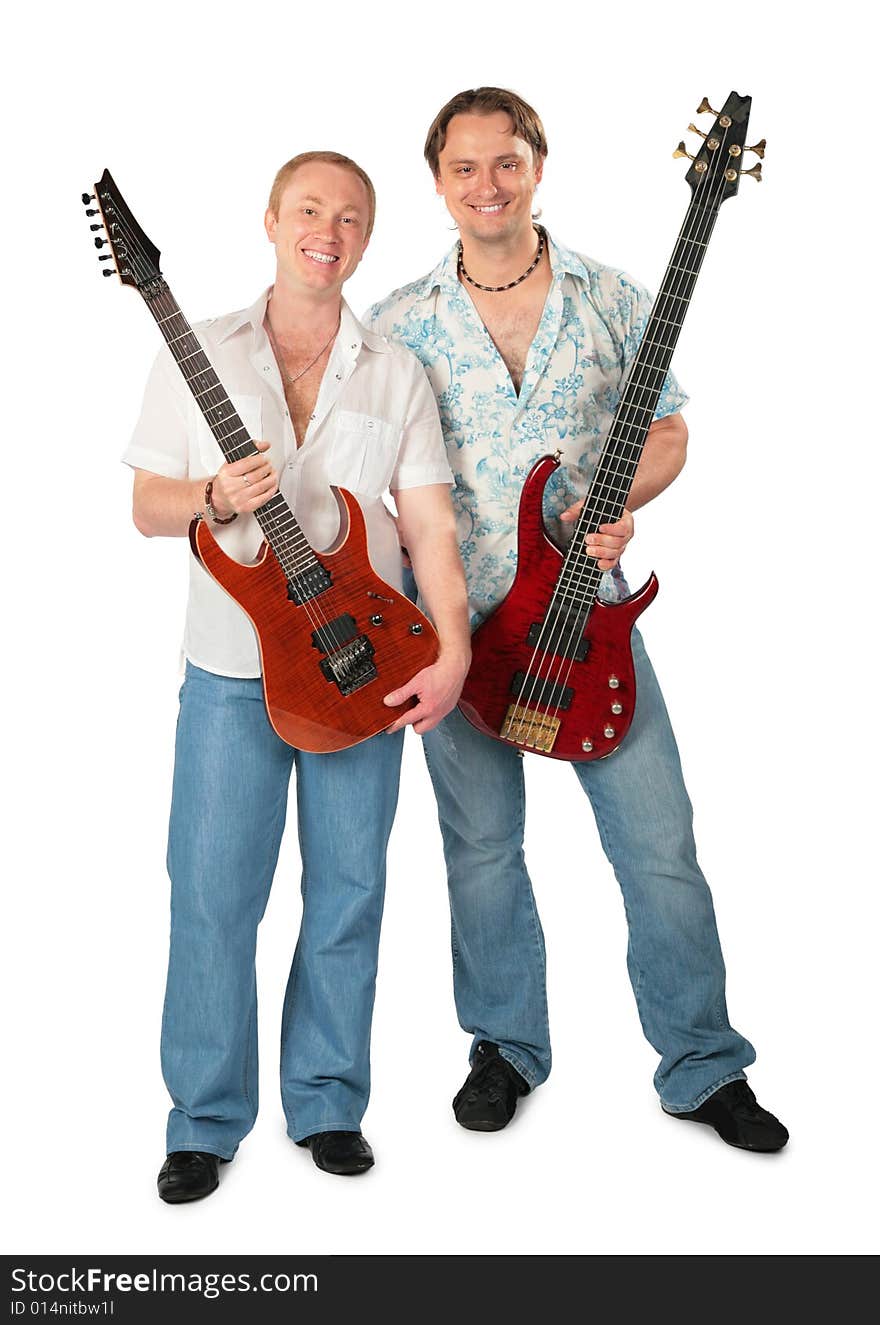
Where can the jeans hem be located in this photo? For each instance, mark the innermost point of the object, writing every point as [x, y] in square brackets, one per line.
[206, 1149]
[298, 1134]
[688, 1108]
[530, 1078]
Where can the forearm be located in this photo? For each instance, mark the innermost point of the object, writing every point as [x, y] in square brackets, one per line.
[438, 570]
[164, 507]
[426, 525]
[662, 460]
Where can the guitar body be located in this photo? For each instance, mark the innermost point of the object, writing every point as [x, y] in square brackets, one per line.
[308, 707]
[576, 724]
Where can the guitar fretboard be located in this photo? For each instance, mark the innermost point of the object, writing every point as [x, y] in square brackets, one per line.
[579, 579]
[277, 521]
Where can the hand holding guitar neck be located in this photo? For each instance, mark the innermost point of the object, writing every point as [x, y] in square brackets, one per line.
[244, 485]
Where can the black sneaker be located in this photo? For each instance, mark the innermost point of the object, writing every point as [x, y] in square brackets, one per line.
[739, 1119]
[487, 1100]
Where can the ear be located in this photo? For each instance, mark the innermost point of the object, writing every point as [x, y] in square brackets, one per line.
[270, 221]
[539, 169]
[439, 187]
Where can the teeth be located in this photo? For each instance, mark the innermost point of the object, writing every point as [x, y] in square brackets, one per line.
[496, 207]
[320, 257]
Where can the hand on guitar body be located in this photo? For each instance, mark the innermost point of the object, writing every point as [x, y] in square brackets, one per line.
[608, 543]
[243, 486]
[436, 688]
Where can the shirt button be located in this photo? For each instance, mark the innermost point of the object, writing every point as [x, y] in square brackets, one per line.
[265, 368]
[354, 347]
[311, 416]
[339, 377]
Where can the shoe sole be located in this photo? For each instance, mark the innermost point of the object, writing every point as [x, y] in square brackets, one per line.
[171, 1199]
[481, 1126]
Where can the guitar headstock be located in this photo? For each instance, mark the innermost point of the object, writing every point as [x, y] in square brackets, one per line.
[135, 258]
[715, 171]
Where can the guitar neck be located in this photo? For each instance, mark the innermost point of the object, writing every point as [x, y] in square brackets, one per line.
[277, 521]
[613, 479]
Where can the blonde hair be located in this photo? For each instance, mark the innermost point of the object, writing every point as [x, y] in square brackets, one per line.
[328, 158]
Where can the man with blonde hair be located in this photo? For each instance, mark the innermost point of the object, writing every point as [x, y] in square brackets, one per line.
[338, 405]
[526, 345]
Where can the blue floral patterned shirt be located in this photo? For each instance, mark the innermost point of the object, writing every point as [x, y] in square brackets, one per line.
[589, 332]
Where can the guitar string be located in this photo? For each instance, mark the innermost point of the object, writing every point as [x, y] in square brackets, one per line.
[576, 571]
[314, 610]
[563, 665]
[562, 658]
[588, 572]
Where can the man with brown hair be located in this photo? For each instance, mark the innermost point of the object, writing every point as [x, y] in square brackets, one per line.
[339, 406]
[526, 345]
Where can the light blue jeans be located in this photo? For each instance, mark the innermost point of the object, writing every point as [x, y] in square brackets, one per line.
[228, 809]
[644, 819]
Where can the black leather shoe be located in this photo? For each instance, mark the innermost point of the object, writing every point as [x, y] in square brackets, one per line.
[739, 1119]
[188, 1175]
[340, 1152]
[487, 1100]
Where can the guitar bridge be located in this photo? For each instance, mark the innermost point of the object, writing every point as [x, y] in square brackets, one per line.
[525, 726]
[351, 666]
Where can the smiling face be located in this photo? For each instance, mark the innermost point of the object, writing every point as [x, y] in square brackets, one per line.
[320, 230]
[488, 177]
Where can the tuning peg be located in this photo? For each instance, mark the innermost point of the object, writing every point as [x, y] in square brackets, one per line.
[92, 211]
[106, 257]
[87, 198]
[99, 243]
[705, 109]
[759, 148]
[106, 271]
[681, 150]
[755, 172]
[692, 128]
[96, 227]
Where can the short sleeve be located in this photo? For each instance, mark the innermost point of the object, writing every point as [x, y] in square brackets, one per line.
[421, 456]
[159, 442]
[631, 304]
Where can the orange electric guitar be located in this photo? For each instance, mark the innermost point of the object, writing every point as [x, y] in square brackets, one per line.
[333, 637]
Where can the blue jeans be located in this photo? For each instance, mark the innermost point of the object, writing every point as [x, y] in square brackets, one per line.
[644, 819]
[228, 809]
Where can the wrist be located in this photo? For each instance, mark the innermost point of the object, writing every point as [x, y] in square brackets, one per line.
[217, 515]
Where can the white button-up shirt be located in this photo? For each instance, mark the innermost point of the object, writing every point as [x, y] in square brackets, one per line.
[375, 428]
[588, 335]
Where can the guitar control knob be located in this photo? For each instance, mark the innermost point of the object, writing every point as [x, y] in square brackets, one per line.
[586, 745]
[609, 731]
[376, 619]
[616, 708]
[613, 682]
[415, 628]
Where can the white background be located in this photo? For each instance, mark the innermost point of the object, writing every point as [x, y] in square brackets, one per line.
[762, 633]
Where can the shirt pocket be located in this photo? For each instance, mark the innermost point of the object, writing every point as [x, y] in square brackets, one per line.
[363, 452]
[249, 409]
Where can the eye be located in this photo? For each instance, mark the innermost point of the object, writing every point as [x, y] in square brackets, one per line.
[309, 211]
[349, 220]
[465, 170]
[508, 165]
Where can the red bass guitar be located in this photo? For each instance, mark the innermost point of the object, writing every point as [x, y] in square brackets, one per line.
[334, 638]
[552, 666]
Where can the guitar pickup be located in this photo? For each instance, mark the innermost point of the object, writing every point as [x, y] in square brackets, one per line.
[336, 633]
[312, 582]
[560, 635]
[536, 690]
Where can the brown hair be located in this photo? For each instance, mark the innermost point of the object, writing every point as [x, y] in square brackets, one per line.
[331, 159]
[485, 101]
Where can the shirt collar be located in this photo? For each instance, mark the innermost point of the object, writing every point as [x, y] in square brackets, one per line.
[444, 277]
[352, 335]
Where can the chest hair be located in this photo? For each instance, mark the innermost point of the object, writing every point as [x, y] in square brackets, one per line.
[512, 318]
